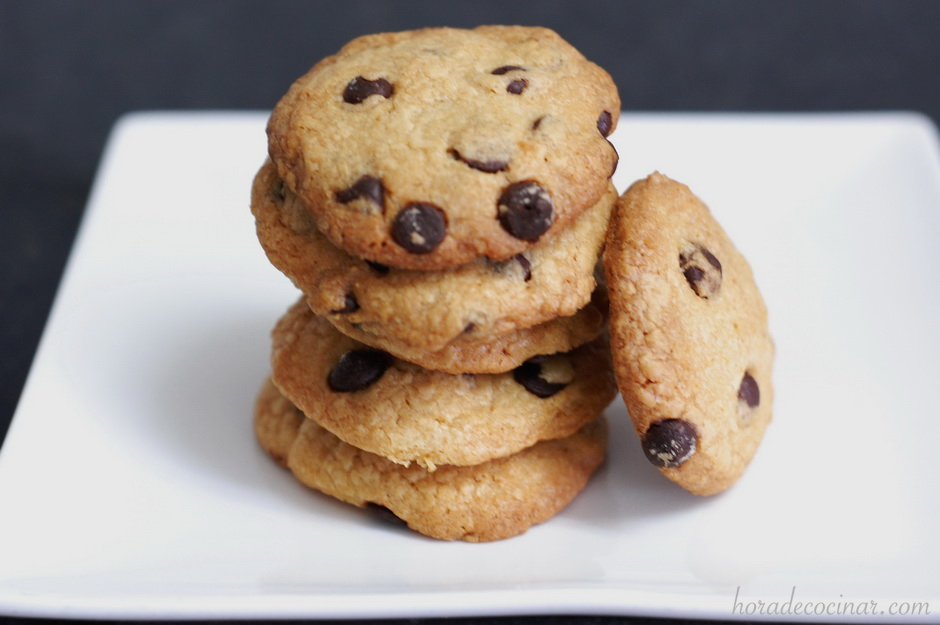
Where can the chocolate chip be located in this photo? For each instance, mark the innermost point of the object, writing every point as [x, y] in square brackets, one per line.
[357, 369]
[349, 305]
[749, 392]
[525, 210]
[543, 376]
[604, 123]
[517, 86]
[670, 442]
[419, 227]
[360, 88]
[526, 266]
[516, 267]
[489, 167]
[379, 268]
[701, 269]
[367, 187]
[748, 397]
[470, 327]
[537, 123]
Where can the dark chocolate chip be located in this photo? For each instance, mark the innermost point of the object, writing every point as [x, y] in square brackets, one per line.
[537, 123]
[489, 167]
[604, 123]
[360, 88]
[748, 397]
[517, 86]
[711, 259]
[543, 376]
[349, 305]
[383, 514]
[526, 266]
[357, 369]
[517, 267]
[470, 327]
[525, 210]
[378, 267]
[749, 392]
[367, 187]
[670, 442]
[701, 270]
[499, 71]
[419, 227]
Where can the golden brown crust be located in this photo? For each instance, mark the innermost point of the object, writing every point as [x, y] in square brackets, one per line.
[679, 354]
[412, 414]
[469, 353]
[445, 110]
[441, 319]
[491, 501]
[277, 422]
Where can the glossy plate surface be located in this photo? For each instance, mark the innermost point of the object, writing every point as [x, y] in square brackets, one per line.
[131, 485]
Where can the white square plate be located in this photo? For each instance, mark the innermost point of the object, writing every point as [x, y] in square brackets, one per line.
[131, 485]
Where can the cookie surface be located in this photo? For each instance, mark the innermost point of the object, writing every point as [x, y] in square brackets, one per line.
[470, 353]
[424, 311]
[491, 501]
[406, 413]
[689, 336]
[427, 149]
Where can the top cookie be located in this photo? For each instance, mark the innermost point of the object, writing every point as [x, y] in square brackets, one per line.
[426, 149]
[689, 336]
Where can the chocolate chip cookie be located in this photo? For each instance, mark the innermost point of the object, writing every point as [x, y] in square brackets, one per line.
[413, 312]
[689, 336]
[490, 501]
[407, 413]
[427, 149]
[470, 353]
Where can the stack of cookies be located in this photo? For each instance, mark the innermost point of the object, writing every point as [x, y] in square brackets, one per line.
[441, 199]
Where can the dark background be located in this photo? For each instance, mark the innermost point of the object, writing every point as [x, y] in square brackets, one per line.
[68, 70]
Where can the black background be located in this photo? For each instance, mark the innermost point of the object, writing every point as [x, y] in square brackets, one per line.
[68, 70]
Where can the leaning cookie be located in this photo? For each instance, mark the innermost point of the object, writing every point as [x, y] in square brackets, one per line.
[424, 311]
[407, 413]
[689, 336]
[491, 501]
[430, 148]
